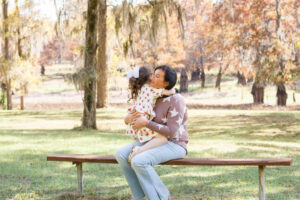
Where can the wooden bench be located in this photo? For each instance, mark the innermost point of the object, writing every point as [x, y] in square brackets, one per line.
[78, 159]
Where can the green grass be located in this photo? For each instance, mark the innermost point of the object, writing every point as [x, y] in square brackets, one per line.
[26, 138]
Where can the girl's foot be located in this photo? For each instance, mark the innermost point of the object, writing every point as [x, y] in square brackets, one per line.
[134, 151]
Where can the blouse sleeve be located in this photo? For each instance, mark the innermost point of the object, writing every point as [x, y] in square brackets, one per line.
[175, 117]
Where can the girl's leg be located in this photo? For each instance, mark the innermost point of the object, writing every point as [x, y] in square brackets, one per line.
[154, 142]
[143, 163]
[121, 156]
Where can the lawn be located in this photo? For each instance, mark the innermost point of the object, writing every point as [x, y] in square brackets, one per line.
[27, 137]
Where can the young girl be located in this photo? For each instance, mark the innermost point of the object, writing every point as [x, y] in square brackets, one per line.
[144, 97]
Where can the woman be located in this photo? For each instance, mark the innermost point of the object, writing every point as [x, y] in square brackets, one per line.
[170, 121]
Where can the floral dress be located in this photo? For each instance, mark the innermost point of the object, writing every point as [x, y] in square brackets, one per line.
[144, 104]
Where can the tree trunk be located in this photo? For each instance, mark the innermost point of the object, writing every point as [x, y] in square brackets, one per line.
[19, 43]
[281, 95]
[8, 95]
[6, 53]
[281, 92]
[102, 65]
[22, 102]
[3, 96]
[297, 57]
[195, 75]
[257, 93]
[219, 77]
[20, 53]
[294, 97]
[297, 54]
[202, 75]
[58, 31]
[89, 101]
[241, 79]
[183, 81]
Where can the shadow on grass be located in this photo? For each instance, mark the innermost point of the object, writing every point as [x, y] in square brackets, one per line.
[76, 196]
[35, 133]
[24, 167]
[233, 183]
[103, 180]
[63, 115]
[262, 127]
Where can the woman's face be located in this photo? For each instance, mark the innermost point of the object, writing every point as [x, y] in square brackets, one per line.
[158, 79]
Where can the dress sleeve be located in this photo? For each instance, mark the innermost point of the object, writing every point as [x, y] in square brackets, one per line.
[175, 117]
[156, 92]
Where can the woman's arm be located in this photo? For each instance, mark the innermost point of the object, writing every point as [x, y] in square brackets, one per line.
[175, 118]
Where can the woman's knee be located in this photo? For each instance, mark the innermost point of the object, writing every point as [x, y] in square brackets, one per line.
[120, 155]
[138, 161]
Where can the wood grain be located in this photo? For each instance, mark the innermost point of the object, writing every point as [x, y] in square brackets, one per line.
[184, 161]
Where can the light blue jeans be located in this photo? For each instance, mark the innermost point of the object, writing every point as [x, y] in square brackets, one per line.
[140, 174]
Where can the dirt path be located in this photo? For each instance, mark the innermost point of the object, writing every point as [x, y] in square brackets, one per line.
[56, 94]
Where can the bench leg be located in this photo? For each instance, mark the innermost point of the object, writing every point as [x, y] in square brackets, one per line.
[261, 173]
[79, 178]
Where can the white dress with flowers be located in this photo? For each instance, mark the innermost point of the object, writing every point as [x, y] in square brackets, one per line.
[144, 104]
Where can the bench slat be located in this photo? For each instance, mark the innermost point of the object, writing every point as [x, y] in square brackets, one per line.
[185, 161]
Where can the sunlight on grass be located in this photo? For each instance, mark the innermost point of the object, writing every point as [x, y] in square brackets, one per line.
[26, 138]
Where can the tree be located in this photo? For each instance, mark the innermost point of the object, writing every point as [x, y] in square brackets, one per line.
[23, 71]
[102, 57]
[196, 26]
[124, 19]
[5, 68]
[89, 84]
[137, 27]
[296, 14]
[183, 81]
[281, 91]
[221, 43]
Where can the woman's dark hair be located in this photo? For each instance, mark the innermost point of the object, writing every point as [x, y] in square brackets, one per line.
[170, 75]
[135, 84]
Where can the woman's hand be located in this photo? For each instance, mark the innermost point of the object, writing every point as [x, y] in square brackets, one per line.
[139, 123]
[131, 116]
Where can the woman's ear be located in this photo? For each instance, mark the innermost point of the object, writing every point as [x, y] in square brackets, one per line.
[166, 84]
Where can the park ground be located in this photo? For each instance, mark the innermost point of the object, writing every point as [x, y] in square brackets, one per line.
[222, 124]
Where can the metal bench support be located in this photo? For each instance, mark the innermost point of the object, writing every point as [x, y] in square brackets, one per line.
[261, 174]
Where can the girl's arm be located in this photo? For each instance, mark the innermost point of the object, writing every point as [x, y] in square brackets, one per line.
[168, 92]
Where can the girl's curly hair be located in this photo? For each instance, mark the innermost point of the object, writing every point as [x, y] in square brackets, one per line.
[135, 84]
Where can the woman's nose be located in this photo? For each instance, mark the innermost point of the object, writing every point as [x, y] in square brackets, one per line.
[151, 77]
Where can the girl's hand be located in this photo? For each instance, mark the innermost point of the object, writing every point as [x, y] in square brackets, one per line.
[131, 116]
[128, 119]
[135, 114]
[139, 123]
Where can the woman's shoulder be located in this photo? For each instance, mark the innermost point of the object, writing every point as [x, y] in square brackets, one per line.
[177, 97]
[174, 99]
